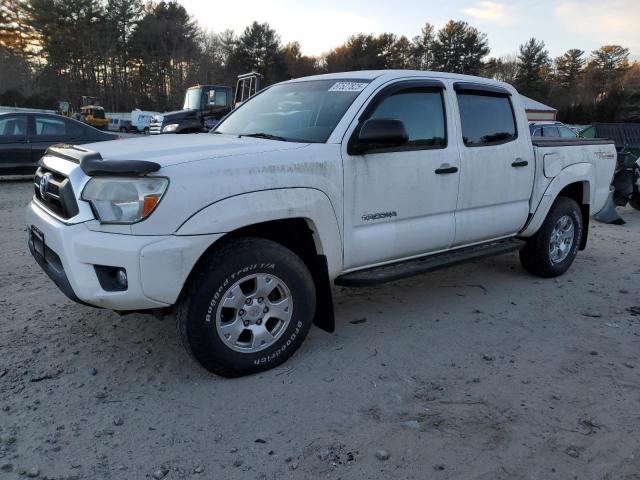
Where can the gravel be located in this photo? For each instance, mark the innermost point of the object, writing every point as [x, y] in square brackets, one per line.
[410, 380]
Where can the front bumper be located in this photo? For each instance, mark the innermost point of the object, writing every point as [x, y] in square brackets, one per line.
[157, 266]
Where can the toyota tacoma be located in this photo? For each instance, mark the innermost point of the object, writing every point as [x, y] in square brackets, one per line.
[348, 179]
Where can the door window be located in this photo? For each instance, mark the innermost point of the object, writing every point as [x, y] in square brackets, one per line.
[50, 127]
[217, 98]
[12, 126]
[422, 112]
[487, 118]
[74, 129]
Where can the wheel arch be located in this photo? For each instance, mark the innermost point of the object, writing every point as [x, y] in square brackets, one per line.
[300, 219]
[575, 182]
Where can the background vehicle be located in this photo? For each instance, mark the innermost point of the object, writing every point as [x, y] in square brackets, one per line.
[205, 105]
[141, 120]
[551, 130]
[24, 137]
[120, 125]
[94, 115]
[352, 179]
[247, 86]
[201, 103]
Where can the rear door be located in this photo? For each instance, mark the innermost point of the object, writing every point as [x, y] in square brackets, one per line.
[497, 165]
[15, 150]
[396, 203]
[48, 130]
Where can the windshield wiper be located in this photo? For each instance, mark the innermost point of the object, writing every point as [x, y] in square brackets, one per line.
[264, 135]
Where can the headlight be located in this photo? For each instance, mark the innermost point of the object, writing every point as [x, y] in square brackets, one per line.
[172, 127]
[159, 118]
[124, 200]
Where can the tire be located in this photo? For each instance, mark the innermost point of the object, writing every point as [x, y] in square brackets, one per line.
[228, 335]
[543, 259]
[146, 131]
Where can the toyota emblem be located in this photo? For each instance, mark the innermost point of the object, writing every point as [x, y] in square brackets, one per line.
[44, 184]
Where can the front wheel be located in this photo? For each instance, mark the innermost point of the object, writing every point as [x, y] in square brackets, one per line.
[552, 250]
[248, 308]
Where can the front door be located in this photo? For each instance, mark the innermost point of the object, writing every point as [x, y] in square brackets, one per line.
[15, 151]
[401, 202]
[497, 167]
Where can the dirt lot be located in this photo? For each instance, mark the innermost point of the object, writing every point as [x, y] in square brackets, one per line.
[477, 372]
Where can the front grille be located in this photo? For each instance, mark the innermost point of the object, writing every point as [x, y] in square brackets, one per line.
[155, 127]
[54, 191]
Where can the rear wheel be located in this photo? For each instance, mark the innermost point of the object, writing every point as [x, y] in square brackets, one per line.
[552, 250]
[248, 308]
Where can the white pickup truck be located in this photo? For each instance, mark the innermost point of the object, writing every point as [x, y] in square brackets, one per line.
[344, 179]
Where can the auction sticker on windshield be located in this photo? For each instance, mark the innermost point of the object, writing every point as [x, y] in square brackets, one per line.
[348, 87]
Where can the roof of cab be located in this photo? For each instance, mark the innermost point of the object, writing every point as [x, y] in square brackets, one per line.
[391, 74]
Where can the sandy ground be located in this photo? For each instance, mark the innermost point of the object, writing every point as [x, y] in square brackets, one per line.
[476, 372]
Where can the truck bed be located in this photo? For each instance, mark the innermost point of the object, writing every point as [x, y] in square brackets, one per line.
[585, 158]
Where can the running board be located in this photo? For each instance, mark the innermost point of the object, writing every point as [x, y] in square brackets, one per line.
[409, 268]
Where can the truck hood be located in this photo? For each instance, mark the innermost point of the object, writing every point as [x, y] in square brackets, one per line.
[177, 115]
[169, 150]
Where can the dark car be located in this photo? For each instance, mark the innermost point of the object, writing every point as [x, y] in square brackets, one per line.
[24, 137]
[551, 130]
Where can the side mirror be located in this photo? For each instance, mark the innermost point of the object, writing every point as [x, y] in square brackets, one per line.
[379, 133]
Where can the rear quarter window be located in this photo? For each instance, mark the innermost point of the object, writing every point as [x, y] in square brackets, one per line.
[486, 118]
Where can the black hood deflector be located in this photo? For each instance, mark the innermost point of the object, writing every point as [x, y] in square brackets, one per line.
[92, 163]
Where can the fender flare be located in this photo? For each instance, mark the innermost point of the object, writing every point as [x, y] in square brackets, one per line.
[577, 173]
[312, 205]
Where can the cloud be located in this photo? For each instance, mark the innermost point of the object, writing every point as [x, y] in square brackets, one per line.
[488, 11]
[616, 22]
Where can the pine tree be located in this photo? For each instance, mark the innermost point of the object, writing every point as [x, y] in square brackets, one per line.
[533, 69]
[459, 48]
[16, 34]
[422, 48]
[569, 67]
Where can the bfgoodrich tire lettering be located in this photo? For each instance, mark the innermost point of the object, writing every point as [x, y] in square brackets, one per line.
[539, 255]
[244, 263]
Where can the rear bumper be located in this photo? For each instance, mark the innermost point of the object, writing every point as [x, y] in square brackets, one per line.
[157, 266]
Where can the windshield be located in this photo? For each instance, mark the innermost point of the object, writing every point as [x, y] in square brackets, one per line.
[298, 112]
[192, 99]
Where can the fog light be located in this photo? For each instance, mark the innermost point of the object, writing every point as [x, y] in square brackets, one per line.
[112, 279]
[121, 278]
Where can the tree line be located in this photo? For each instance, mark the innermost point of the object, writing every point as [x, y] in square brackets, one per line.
[135, 54]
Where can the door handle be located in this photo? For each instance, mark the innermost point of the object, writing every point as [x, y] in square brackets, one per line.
[519, 163]
[444, 169]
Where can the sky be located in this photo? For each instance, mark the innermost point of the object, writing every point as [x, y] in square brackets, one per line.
[322, 25]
